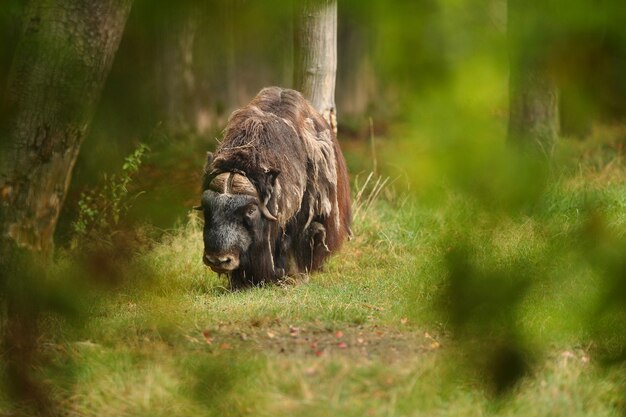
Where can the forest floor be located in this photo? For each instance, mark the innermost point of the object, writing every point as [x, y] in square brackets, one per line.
[368, 336]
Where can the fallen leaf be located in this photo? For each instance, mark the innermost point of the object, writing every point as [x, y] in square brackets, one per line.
[294, 331]
[360, 340]
[338, 334]
[207, 337]
[318, 353]
[271, 334]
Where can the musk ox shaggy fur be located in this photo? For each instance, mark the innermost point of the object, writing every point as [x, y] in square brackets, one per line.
[276, 195]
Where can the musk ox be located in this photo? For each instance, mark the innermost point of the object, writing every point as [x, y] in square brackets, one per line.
[276, 196]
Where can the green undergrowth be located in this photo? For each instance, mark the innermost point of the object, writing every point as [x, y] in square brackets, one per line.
[435, 307]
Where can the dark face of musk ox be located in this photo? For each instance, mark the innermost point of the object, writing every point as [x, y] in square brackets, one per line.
[232, 224]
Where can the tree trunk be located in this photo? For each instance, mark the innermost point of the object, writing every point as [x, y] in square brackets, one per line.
[315, 55]
[533, 92]
[356, 83]
[60, 65]
[225, 80]
[61, 62]
[177, 70]
[10, 14]
[213, 94]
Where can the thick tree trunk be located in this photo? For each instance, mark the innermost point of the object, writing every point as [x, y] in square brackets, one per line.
[533, 92]
[10, 14]
[60, 65]
[315, 54]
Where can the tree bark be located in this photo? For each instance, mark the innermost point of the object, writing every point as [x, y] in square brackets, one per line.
[61, 62]
[533, 91]
[315, 55]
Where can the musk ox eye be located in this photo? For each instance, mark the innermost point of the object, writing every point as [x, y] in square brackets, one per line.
[251, 214]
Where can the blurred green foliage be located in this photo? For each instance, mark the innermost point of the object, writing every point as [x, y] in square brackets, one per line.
[101, 210]
[506, 256]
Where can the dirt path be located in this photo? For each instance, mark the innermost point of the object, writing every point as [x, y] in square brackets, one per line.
[362, 341]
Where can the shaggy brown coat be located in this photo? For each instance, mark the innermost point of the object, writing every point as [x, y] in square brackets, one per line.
[283, 151]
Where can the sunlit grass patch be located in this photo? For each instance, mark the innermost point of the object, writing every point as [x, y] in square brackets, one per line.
[154, 379]
[410, 318]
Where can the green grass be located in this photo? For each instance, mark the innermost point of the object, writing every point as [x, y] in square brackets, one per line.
[385, 330]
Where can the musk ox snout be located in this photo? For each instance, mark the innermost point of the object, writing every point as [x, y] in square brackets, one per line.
[221, 263]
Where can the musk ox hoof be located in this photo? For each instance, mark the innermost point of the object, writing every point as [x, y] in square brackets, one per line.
[293, 280]
[279, 273]
[236, 285]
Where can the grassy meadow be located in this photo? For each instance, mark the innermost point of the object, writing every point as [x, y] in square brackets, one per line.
[441, 305]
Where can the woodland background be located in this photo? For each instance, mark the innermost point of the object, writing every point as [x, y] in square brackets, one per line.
[485, 141]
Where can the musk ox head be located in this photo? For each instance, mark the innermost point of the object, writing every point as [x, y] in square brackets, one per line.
[231, 224]
[238, 227]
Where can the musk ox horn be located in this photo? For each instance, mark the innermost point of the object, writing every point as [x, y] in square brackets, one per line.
[232, 183]
[267, 213]
[238, 183]
[264, 208]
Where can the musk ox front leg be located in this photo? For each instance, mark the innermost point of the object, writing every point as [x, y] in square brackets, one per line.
[311, 248]
[318, 247]
[281, 256]
[317, 237]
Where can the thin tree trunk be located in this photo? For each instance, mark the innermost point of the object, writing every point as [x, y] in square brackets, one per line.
[533, 92]
[315, 55]
[60, 65]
